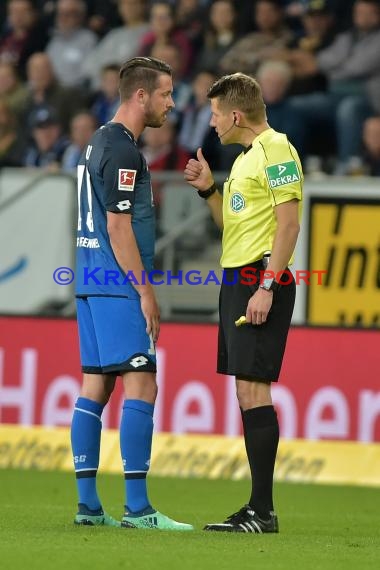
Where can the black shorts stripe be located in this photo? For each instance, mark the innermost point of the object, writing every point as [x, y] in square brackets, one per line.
[131, 365]
[121, 368]
[92, 370]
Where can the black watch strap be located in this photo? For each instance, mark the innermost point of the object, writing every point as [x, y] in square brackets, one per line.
[275, 286]
[205, 194]
[270, 284]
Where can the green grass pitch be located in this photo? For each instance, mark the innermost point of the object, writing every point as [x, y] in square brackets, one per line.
[321, 527]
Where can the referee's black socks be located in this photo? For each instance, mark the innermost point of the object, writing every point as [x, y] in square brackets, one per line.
[261, 435]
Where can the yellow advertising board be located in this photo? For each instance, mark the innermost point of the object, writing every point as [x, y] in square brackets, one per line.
[345, 242]
[197, 456]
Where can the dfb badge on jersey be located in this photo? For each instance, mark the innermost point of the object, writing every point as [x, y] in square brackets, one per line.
[127, 180]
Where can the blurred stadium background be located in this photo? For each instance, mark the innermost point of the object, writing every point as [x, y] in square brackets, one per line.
[58, 81]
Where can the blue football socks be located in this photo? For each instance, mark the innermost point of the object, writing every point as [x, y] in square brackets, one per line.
[86, 428]
[136, 430]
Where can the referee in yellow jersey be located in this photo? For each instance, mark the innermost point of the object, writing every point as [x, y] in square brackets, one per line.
[259, 214]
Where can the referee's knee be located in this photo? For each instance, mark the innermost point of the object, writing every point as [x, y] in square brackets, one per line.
[253, 393]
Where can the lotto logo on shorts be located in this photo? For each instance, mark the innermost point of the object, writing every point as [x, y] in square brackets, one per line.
[281, 174]
[126, 180]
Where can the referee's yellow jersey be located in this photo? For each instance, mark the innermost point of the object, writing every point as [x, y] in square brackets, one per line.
[266, 174]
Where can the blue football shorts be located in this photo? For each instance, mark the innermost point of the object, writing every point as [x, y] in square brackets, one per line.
[113, 337]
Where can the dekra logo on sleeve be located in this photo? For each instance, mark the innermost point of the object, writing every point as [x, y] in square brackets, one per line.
[281, 174]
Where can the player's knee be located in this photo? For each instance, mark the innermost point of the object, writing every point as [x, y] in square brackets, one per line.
[140, 386]
[99, 396]
[98, 387]
[150, 391]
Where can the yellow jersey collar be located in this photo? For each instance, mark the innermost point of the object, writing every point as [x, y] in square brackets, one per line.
[257, 140]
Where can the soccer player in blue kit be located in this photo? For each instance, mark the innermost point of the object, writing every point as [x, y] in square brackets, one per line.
[117, 312]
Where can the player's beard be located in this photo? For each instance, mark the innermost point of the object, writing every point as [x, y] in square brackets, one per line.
[152, 118]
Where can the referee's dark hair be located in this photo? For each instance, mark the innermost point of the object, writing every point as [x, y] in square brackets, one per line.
[141, 72]
[240, 91]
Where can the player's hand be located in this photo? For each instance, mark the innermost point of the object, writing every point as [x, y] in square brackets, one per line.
[197, 172]
[151, 313]
[259, 306]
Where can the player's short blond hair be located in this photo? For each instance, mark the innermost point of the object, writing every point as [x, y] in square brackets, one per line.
[241, 92]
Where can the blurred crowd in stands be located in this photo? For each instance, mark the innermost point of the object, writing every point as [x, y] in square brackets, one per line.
[318, 63]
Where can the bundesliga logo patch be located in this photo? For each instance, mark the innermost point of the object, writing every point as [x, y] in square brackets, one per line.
[127, 180]
[281, 174]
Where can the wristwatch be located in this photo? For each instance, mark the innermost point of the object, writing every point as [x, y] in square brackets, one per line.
[270, 284]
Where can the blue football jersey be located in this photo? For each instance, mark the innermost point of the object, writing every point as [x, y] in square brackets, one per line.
[112, 176]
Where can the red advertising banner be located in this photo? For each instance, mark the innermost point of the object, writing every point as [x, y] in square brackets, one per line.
[329, 386]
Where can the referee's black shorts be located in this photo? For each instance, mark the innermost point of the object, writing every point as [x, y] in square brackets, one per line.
[253, 352]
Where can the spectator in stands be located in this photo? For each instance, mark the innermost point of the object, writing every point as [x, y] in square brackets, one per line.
[272, 32]
[102, 14]
[342, 10]
[48, 145]
[197, 116]
[121, 43]
[318, 27]
[275, 78]
[82, 127]
[294, 10]
[160, 149]
[371, 139]
[318, 34]
[352, 66]
[47, 9]
[71, 43]
[171, 54]
[44, 90]
[11, 148]
[190, 17]
[163, 30]
[219, 36]
[11, 88]
[161, 152]
[196, 131]
[107, 98]
[24, 35]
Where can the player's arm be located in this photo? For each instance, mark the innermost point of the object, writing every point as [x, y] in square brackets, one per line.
[119, 204]
[198, 174]
[124, 247]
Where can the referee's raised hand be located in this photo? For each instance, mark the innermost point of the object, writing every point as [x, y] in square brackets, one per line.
[197, 172]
